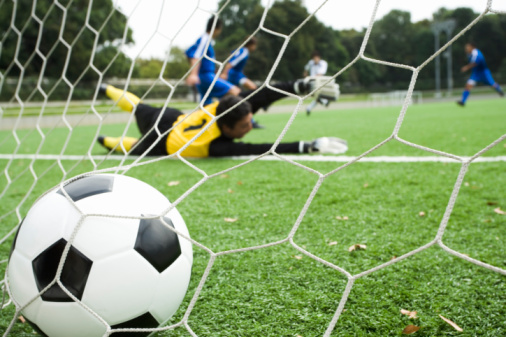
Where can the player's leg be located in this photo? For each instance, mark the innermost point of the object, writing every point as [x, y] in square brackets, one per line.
[311, 106]
[266, 96]
[125, 100]
[147, 117]
[488, 79]
[467, 90]
[248, 84]
[218, 90]
[114, 143]
[240, 80]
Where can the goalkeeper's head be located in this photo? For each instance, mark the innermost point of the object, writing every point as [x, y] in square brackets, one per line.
[235, 123]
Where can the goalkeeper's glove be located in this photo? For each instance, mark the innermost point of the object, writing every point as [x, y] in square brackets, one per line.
[325, 87]
[331, 145]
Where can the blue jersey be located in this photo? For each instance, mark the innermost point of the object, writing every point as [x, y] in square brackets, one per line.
[477, 57]
[199, 49]
[480, 72]
[238, 61]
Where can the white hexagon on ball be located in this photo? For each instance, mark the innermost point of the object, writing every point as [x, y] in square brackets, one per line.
[125, 266]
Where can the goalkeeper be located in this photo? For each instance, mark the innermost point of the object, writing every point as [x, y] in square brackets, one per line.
[177, 129]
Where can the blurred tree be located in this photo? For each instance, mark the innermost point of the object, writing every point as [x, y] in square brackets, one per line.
[394, 33]
[61, 42]
[243, 17]
[177, 66]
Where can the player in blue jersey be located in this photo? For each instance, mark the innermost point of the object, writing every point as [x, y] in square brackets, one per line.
[204, 70]
[233, 71]
[479, 72]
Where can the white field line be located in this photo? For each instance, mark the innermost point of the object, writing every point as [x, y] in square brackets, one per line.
[311, 158]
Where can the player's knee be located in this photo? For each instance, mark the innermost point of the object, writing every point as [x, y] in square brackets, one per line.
[234, 91]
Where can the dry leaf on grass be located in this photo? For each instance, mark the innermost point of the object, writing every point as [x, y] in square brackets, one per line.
[223, 176]
[357, 246]
[333, 243]
[498, 210]
[455, 326]
[230, 190]
[298, 257]
[421, 214]
[173, 183]
[22, 319]
[239, 183]
[410, 329]
[341, 217]
[366, 185]
[410, 314]
[231, 219]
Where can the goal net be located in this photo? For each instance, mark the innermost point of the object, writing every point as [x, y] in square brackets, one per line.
[295, 245]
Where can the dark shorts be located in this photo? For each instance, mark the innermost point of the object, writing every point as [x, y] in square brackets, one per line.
[148, 124]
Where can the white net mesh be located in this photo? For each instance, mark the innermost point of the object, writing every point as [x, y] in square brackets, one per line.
[26, 171]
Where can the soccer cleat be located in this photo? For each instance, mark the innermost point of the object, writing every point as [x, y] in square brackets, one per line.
[501, 93]
[102, 88]
[101, 140]
[461, 103]
[256, 125]
[323, 101]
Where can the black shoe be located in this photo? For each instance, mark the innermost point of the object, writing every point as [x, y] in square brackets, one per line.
[323, 101]
[501, 93]
[308, 111]
[256, 125]
[102, 88]
[461, 103]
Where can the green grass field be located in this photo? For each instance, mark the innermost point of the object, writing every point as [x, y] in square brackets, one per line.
[279, 291]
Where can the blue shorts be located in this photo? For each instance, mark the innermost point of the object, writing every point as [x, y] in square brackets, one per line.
[483, 76]
[235, 77]
[220, 88]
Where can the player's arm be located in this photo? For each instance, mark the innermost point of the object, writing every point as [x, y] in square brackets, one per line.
[224, 73]
[225, 147]
[306, 70]
[193, 77]
[472, 62]
[468, 67]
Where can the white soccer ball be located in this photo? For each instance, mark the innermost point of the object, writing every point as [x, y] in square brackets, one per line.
[125, 268]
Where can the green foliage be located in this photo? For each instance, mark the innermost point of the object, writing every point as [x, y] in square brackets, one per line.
[394, 38]
[43, 53]
[176, 66]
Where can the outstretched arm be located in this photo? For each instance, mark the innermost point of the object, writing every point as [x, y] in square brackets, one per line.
[224, 147]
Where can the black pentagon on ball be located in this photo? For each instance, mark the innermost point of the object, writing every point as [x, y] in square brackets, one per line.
[157, 243]
[145, 321]
[74, 274]
[88, 186]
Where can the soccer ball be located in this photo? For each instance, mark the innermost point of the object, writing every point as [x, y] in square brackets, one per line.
[125, 268]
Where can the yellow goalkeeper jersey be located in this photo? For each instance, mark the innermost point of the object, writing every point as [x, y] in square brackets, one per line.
[189, 127]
